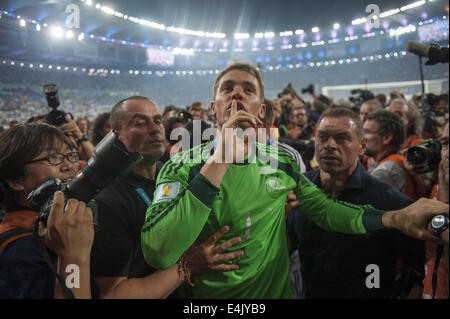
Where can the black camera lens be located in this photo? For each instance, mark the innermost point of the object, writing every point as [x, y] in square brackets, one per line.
[417, 156]
[425, 156]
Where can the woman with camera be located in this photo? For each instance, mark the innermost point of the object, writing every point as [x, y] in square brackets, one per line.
[33, 256]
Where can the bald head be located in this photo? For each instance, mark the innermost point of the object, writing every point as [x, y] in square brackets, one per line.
[119, 110]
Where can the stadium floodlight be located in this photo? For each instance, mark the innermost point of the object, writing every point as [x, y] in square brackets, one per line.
[286, 33]
[259, 35]
[336, 26]
[269, 35]
[389, 13]
[69, 34]
[38, 27]
[412, 5]
[315, 29]
[80, 36]
[56, 32]
[98, 6]
[241, 35]
[89, 2]
[23, 23]
[359, 21]
[299, 32]
[107, 10]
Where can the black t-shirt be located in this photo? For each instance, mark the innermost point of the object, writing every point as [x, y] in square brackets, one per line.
[121, 213]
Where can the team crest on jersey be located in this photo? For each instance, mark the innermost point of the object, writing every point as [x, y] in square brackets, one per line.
[167, 191]
[273, 186]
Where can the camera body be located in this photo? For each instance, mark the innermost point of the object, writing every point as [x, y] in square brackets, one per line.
[309, 89]
[361, 97]
[425, 156]
[110, 159]
[54, 117]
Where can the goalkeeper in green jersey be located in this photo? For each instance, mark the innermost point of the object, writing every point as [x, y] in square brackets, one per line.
[232, 181]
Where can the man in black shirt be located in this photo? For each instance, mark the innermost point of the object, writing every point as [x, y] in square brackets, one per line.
[337, 265]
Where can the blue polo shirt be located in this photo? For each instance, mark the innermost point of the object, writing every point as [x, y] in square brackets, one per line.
[334, 264]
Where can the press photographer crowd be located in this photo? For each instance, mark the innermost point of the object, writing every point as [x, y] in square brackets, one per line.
[101, 198]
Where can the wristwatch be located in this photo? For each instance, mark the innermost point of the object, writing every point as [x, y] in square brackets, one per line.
[439, 223]
[83, 138]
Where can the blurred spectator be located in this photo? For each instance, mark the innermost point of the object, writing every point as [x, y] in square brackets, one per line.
[385, 133]
[170, 111]
[82, 123]
[300, 129]
[367, 107]
[171, 124]
[13, 123]
[196, 112]
[412, 120]
[381, 98]
[99, 128]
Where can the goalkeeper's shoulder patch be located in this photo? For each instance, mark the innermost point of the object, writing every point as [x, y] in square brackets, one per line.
[166, 191]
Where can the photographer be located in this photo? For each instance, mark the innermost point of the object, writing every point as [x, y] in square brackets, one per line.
[31, 154]
[436, 270]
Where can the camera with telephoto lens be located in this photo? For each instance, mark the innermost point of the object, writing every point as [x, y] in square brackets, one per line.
[110, 159]
[54, 117]
[425, 156]
[309, 89]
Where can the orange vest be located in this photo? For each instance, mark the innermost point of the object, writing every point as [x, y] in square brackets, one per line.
[411, 141]
[17, 219]
[410, 189]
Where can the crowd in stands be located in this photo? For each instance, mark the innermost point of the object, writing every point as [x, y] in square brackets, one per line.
[372, 136]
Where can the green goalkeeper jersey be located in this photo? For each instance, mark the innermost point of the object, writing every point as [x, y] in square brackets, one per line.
[251, 198]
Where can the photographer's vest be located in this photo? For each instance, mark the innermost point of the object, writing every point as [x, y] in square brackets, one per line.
[410, 189]
[411, 141]
[15, 225]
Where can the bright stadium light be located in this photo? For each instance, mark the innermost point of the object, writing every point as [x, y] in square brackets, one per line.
[336, 26]
[38, 27]
[69, 34]
[299, 32]
[23, 23]
[359, 21]
[412, 5]
[56, 32]
[241, 35]
[89, 2]
[315, 29]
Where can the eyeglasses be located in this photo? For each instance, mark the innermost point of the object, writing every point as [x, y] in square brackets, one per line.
[57, 158]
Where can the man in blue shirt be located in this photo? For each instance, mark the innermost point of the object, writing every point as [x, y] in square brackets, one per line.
[336, 265]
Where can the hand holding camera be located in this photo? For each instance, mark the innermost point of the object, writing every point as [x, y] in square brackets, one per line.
[69, 232]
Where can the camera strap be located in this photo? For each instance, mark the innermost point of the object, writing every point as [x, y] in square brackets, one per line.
[440, 248]
[49, 262]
